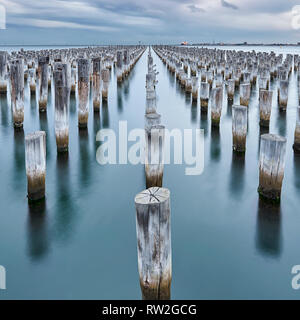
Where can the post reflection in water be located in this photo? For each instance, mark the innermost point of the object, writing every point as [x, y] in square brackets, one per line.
[65, 211]
[105, 115]
[194, 112]
[281, 122]
[84, 158]
[215, 144]
[268, 229]
[19, 159]
[119, 98]
[237, 175]
[4, 110]
[297, 171]
[37, 231]
[203, 122]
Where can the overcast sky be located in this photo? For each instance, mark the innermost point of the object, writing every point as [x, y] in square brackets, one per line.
[148, 21]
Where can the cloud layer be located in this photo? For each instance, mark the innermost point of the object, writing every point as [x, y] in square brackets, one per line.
[151, 21]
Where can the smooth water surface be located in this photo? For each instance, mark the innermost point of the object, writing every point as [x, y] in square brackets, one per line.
[81, 243]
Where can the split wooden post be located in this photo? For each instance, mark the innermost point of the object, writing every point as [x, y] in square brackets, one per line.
[35, 156]
[96, 84]
[271, 166]
[153, 228]
[83, 92]
[216, 106]
[62, 96]
[245, 89]
[43, 64]
[154, 155]
[204, 96]
[239, 128]
[265, 107]
[17, 91]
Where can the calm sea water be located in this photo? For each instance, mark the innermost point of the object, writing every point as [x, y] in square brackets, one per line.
[81, 244]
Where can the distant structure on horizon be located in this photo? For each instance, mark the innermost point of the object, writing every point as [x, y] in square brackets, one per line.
[184, 43]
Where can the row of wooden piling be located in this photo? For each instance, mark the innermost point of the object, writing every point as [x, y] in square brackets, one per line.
[153, 216]
[69, 71]
[239, 71]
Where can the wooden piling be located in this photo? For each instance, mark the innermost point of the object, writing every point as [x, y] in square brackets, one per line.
[83, 92]
[154, 155]
[265, 107]
[239, 128]
[271, 166]
[216, 105]
[35, 155]
[153, 228]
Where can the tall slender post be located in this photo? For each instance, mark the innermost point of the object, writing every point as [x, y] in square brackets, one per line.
[245, 90]
[62, 96]
[153, 229]
[96, 84]
[204, 96]
[150, 101]
[17, 91]
[119, 66]
[216, 106]
[265, 107]
[271, 166]
[154, 156]
[195, 87]
[239, 128]
[31, 80]
[3, 72]
[35, 156]
[83, 92]
[43, 64]
[105, 83]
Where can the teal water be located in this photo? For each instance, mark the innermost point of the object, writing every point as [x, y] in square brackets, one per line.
[81, 244]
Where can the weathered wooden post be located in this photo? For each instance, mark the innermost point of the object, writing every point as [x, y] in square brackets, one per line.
[73, 79]
[195, 87]
[17, 91]
[96, 84]
[271, 166]
[154, 155]
[3, 72]
[150, 101]
[35, 156]
[151, 119]
[43, 63]
[119, 66]
[245, 90]
[239, 128]
[62, 96]
[216, 106]
[105, 83]
[283, 94]
[153, 228]
[31, 80]
[230, 89]
[265, 107]
[296, 145]
[204, 96]
[83, 92]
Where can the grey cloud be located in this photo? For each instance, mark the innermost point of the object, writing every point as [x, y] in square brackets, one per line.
[195, 9]
[226, 4]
